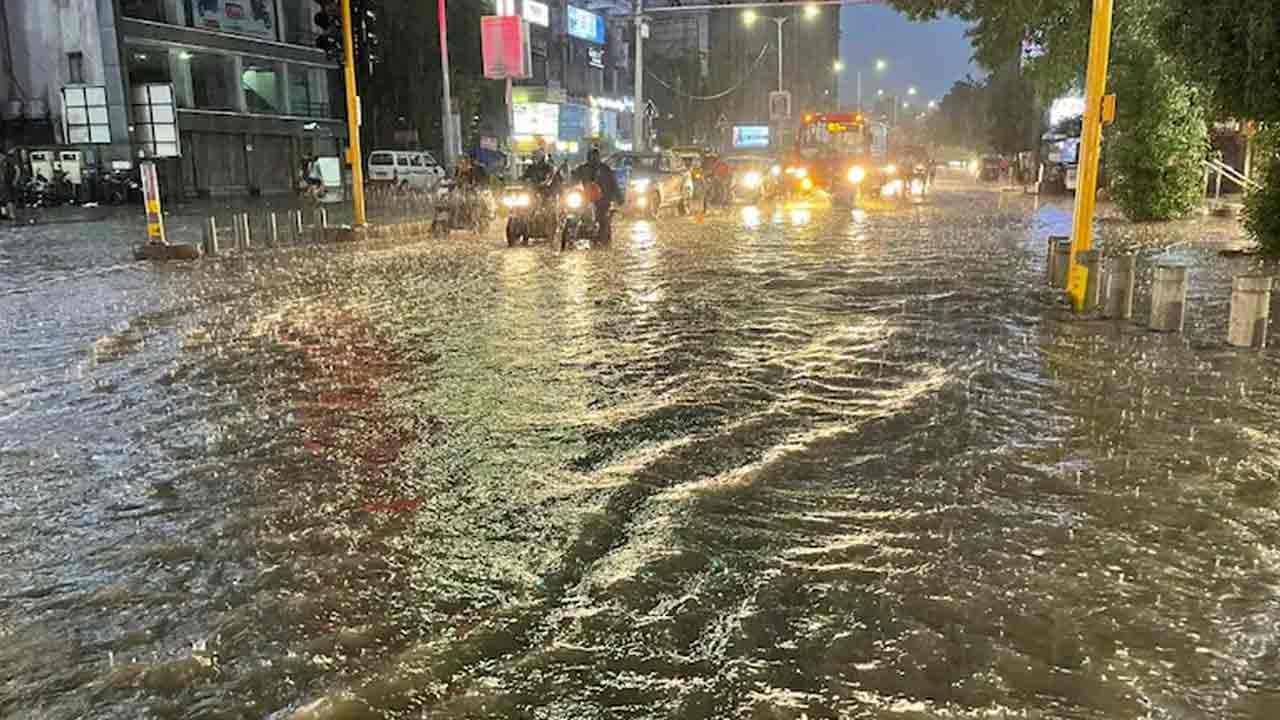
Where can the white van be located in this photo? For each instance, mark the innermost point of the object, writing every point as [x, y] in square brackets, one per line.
[409, 169]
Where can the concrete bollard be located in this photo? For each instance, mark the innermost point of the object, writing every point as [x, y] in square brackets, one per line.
[324, 218]
[244, 223]
[1061, 264]
[1121, 277]
[210, 236]
[1092, 262]
[237, 232]
[273, 230]
[1250, 311]
[1051, 258]
[295, 219]
[1168, 298]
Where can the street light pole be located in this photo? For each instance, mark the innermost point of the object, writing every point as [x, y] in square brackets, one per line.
[780, 21]
[447, 107]
[637, 114]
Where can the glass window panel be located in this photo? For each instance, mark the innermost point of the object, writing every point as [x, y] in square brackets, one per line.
[98, 115]
[78, 134]
[211, 81]
[262, 91]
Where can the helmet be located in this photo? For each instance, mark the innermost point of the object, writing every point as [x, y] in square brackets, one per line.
[539, 154]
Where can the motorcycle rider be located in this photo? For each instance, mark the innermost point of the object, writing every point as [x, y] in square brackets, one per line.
[595, 171]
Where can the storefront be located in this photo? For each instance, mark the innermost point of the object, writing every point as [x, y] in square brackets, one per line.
[566, 127]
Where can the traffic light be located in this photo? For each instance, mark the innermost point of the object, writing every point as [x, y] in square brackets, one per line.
[329, 20]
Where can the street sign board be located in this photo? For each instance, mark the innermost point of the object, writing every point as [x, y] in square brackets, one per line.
[505, 47]
[779, 105]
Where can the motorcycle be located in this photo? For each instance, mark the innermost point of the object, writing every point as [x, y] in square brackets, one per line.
[578, 214]
[462, 208]
[122, 186]
[531, 213]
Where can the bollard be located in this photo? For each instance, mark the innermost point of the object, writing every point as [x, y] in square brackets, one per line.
[1168, 298]
[1051, 258]
[210, 236]
[1121, 277]
[273, 230]
[1250, 311]
[244, 221]
[237, 231]
[1061, 264]
[297, 226]
[324, 218]
[1092, 262]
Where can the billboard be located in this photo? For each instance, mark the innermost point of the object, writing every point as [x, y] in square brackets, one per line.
[242, 17]
[585, 25]
[537, 13]
[750, 137]
[504, 41]
[541, 119]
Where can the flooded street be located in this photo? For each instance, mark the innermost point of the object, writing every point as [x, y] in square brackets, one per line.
[813, 464]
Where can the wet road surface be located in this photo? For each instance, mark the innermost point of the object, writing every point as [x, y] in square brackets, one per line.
[813, 464]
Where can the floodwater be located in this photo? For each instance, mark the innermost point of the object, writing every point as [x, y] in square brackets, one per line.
[813, 464]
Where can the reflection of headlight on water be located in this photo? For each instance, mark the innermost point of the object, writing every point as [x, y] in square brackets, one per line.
[800, 216]
[859, 215]
[751, 180]
[642, 184]
[776, 170]
[892, 189]
[517, 200]
[574, 200]
[751, 216]
[890, 169]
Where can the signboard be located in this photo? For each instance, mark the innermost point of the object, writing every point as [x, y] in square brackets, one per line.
[750, 137]
[536, 119]
[595, 57]
[537, 13]
[155, 119]
[779, 105]
[242, 17]
[504, 41]
[585, 25]
[574, 122]
[84, 115]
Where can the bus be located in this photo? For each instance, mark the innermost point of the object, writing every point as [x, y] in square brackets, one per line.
[843, 153]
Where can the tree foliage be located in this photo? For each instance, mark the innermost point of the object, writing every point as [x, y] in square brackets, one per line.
[1155, 149]
[1262, 207]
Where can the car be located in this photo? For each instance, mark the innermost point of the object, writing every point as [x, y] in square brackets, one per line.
[652, 181]
[405, 169]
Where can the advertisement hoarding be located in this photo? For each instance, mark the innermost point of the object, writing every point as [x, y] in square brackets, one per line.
[242, 17]
[541, 119]
[750, 137]
[585, 25]
[504, 44]
[537, 13]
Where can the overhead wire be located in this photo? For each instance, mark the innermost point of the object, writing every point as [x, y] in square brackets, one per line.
[719, 95]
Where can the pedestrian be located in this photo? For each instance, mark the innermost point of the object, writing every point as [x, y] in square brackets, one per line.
[8, 186]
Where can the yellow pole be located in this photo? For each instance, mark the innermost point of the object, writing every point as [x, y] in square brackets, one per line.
[1090, 149]
[353, 118]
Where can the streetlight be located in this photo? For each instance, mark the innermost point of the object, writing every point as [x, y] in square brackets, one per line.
[882, 64]
[933, 104]
[838, 66]
[880, 93]
[811, 12]
[749, 17]
[911, 91]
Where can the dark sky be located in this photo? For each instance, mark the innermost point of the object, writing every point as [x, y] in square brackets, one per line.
[930, 55]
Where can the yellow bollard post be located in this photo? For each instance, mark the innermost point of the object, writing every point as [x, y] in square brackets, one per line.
[353, 119]
[1090, 148]
[151, 196]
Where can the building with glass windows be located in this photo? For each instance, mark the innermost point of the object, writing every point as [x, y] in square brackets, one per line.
[228, 96]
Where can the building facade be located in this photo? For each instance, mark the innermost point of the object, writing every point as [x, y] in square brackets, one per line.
[228, 96]
[581, 89]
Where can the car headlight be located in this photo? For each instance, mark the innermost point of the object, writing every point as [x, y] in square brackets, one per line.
[806, 184]
[776, 170]
[642, 184]
[890, 169]
[751, 180]
[801, 172]
[857, 174]
[574, 200]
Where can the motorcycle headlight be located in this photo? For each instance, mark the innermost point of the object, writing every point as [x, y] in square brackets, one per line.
[641, 184]
[751, 180]
[776, 170]
[890, 169]
[574, 200]
[857, 174]
[800, 172]
[806, 184]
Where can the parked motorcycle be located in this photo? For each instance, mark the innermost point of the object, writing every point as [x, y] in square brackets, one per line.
[122, 186]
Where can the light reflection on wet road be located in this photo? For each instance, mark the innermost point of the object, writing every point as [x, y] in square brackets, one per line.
[761, 465]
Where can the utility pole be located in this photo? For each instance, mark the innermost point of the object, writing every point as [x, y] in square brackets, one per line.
[780, 21]
[447, 121]
[638, 140]
[353, 119]
[1090, 149]
[859, 91]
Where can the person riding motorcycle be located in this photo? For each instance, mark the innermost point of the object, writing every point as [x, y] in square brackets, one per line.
[595, 171]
